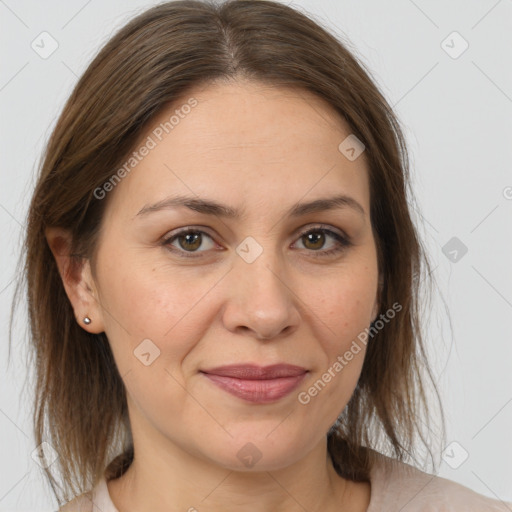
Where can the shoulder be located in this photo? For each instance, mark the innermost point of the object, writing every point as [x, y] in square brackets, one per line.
[82, 503]
[400, 486]
[96, 500]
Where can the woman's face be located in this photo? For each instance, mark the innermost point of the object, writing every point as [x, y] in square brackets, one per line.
[250, 288]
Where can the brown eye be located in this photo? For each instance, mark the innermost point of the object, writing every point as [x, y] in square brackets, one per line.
[188, 242]
[193, 242]
[314, 240]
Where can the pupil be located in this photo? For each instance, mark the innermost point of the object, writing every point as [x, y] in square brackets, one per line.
[190, 238]
[315, 238]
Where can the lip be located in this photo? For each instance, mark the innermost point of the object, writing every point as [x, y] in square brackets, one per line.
[257, 384]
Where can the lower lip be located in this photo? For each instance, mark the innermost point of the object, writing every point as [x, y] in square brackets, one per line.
[257, 391]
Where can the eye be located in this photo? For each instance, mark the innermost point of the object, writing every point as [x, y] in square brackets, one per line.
[314, 240]
[189, 241]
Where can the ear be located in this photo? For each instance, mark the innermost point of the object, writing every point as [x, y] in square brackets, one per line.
[77, 280]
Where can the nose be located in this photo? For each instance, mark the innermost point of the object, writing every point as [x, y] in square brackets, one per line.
[260, 299]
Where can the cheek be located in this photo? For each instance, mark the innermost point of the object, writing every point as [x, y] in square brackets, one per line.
[344, 304]
[140, 303]
[343, 312]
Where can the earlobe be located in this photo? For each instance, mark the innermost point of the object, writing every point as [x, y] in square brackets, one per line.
[77, 280]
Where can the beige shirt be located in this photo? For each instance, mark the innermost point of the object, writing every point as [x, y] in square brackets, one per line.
[395, 486]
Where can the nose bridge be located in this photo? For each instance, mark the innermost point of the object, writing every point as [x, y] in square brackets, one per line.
[260, 299]
[261, 260]
[258, 267]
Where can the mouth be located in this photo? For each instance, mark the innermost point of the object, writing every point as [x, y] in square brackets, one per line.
[257, 384]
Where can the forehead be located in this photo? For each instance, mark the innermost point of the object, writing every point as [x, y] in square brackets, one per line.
[244, 142]
[244, 114]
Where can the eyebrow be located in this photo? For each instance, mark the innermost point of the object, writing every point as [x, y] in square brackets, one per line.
[211, 207]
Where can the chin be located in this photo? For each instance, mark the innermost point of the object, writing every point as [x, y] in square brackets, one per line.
[260, 452]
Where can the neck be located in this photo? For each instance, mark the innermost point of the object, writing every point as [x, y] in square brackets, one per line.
[176, 480]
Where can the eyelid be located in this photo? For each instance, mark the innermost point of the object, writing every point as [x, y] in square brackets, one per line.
[343, 240]
[320, 227]
[175, 234]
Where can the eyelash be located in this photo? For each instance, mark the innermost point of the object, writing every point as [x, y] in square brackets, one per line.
[343, 241]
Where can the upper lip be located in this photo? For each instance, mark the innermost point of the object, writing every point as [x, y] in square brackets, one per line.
[255, 372]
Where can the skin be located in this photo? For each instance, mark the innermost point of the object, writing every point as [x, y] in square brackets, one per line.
[261, 149]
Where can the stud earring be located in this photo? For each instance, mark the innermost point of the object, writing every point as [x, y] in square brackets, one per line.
[87, 320]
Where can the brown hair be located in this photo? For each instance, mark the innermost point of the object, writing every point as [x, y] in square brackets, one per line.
[80, 401]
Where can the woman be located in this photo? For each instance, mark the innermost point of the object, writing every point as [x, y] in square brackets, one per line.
[223, 276]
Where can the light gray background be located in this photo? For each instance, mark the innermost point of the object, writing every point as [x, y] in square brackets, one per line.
[457, 116]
